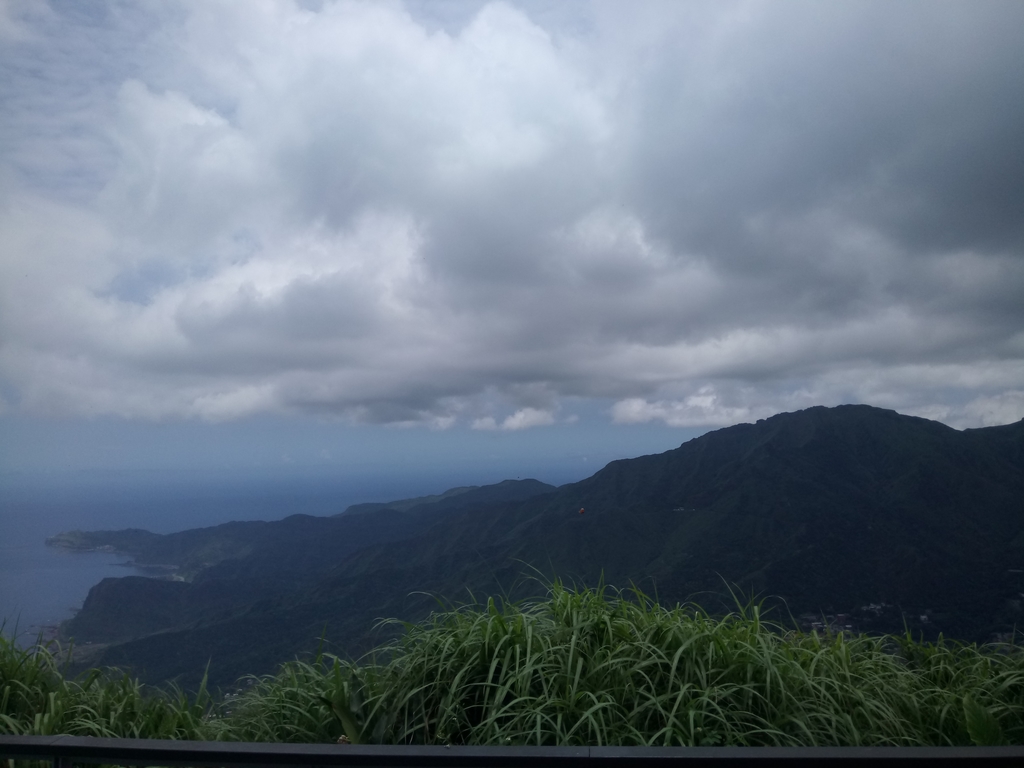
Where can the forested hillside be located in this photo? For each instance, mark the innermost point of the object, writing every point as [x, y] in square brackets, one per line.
[852, 516]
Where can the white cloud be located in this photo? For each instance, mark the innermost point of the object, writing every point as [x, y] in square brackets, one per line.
[241, 401]
[524, 418]
[701, 213]
[702, 409]
[1004, 408]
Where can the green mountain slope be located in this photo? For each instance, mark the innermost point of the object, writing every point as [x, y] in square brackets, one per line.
[852, 510]
[223, 568]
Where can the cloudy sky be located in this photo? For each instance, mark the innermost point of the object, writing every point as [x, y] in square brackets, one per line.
[296, 229]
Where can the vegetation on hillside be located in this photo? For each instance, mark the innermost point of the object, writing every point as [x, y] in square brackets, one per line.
[583, 667]
[890, 520]
[37, 699]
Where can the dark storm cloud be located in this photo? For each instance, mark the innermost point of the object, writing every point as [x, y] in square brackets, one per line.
[901, 114]
[446, 213]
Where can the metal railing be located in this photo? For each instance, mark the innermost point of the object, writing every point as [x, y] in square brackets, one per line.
[65, 751]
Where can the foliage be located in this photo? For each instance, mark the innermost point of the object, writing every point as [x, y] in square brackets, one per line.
[892, 520]
[37, 699]
[583, 667]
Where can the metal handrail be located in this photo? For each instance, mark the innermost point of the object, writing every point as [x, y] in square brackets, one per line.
[65, 751]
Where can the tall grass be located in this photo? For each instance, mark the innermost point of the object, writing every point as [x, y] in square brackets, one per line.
[595, 667]
[37, 699]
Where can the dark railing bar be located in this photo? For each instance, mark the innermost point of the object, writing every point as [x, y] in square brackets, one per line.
[64, 751]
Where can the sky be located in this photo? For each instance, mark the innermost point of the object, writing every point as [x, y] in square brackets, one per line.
[498, 236]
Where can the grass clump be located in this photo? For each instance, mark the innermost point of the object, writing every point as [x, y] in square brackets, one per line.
[583, 668]
[586, 667]
[37, 699]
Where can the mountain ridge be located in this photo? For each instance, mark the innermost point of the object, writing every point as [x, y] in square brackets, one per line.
[828, 509]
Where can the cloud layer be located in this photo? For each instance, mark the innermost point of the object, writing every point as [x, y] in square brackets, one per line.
[697, 213]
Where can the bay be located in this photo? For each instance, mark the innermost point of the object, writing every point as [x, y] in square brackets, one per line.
[41, 586]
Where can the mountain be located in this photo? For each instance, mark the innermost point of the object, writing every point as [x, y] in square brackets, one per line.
[215, 570]
[880, 520]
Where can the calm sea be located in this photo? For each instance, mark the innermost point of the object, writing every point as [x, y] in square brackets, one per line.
[41, 586]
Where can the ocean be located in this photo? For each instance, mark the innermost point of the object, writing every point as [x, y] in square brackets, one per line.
[41, 586]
